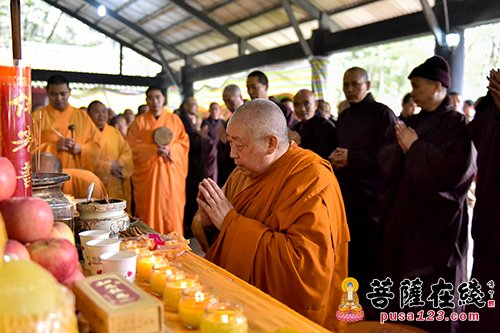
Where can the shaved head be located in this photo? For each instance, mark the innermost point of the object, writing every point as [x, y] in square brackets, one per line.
[262, 118]
[49, 163]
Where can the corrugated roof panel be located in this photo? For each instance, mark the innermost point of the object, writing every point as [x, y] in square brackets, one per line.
[218, 55]
[240, 9]
[177, 65]
[375, 12]
[139, 9]
[185, 30]
[201, 43]
[260, 23]
[331, 5]
[112, 4]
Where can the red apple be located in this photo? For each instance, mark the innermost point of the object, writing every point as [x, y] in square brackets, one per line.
[57, 255]
[8, 179]
[62, 230]
[76, 276]
[19, 250]
[27, 219]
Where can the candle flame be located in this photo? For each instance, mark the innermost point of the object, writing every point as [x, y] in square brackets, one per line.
[199, 296]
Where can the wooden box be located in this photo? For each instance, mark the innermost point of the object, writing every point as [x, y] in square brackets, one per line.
[112, 304]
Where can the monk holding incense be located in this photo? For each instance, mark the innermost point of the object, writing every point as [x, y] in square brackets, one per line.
[67, 132]
[160, 170]
[279, 221]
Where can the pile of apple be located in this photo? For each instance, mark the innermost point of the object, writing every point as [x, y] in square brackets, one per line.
[32, 233]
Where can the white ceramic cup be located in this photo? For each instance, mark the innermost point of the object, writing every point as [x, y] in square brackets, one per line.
[97, 247]
[122, 263]
[86, 236]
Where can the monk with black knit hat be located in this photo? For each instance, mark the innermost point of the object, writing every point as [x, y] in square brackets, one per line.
[425, 212]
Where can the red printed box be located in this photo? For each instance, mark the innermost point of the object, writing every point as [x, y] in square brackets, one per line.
[111, 304]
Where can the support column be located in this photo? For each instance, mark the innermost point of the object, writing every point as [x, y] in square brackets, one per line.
[187, 88]
[456, 59]
[319, 75]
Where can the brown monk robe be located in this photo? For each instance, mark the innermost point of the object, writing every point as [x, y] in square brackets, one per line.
[425, 215]
[159, 176]
[485, 132]
[279, 222]
[75, 149]
[114, 166]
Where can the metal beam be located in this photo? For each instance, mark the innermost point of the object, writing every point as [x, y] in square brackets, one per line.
[293, 21]
[207, 20]
[137, 28]
[325, 21]
[166, 67]
[433, 23]
[277, 28]
[402, 27]
[101, 30]
[123, 80]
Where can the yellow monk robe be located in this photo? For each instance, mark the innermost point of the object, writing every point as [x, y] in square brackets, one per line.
[86, 134]
[287, 234]
[115, 148]
[79, 183]
[159, 185]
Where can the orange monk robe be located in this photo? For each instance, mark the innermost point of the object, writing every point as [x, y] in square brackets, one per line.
[159, 185]
[115, 148]
[287, 234]
[86, 134]
[79, 183]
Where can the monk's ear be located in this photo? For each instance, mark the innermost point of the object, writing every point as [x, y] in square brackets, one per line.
[272, 144]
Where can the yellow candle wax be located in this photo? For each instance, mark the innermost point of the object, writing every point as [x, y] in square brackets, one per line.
[145, 264]
[159, 275]
[173, 289]
[192, 305]
[221, 318]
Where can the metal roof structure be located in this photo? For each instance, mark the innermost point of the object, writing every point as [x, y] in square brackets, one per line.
[198, 39]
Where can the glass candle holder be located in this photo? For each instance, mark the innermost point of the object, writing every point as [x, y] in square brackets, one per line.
[159, 275]
[134, 244]
[174, 285]
[145, 264]
[224, 317]
[193, 303]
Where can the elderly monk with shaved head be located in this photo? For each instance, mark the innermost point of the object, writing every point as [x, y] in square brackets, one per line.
[279, 221]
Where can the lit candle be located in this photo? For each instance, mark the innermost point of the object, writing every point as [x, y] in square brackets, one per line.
[145, 264]
[174, 285]
[159, 275]
[134, 244]
[192, 305]
[224, 317]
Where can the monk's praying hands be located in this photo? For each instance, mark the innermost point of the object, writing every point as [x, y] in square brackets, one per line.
[339, 158]
[213, 202]
[406, 136]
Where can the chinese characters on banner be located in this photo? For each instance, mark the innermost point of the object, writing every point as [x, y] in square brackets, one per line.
[15, 109]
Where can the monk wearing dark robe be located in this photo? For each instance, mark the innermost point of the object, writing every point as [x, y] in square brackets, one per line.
[188, 112]
[210, 129]
[425, 216]
[257, 86]
[316, 133]
[485, 132]
[279, 222]
[362, 129]
[231, 95]
[159, 176]
[67, 132]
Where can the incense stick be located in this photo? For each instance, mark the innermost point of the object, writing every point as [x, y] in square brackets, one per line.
[15, 18]
[39, 140]
[58, 133]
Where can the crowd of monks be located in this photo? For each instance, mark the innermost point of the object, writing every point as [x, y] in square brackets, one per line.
[293, 201]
